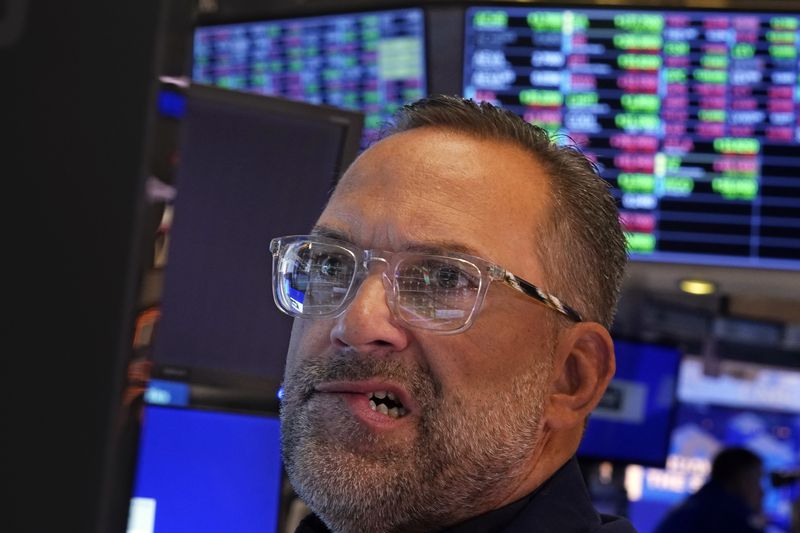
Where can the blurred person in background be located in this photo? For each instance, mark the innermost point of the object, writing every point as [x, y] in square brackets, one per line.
[729, 502]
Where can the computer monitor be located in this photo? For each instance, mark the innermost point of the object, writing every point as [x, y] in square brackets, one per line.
[371, 61]
[252, 167]
[204, 470]
[690, 114]
[75, 170]
[633, 422]
[729, 403]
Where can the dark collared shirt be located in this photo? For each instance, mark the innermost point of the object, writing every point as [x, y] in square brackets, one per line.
[712, 509]
[559, 505]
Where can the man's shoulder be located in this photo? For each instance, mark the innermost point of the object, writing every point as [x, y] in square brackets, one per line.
[563, 504]
[615, 524]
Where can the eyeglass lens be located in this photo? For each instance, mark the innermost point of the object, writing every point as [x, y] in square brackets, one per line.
[431, 292]
[315, 278]
[436, 292]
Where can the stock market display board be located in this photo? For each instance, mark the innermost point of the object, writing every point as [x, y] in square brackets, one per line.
[692, 116]
[370, 61]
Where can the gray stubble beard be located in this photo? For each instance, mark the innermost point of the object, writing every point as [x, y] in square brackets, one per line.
[464, 452]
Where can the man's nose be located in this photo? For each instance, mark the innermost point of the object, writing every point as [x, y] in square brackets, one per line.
[367, 325]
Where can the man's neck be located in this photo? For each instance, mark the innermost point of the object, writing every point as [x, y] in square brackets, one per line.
[554, 450]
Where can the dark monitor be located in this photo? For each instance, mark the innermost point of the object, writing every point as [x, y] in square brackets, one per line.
[690, 114]
[633, 421]
[371, 61]
[207, 471]
[81, 133]
[252, 167]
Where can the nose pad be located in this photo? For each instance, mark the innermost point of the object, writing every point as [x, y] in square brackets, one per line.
[370, 262]
[390, 290]
[388, 287]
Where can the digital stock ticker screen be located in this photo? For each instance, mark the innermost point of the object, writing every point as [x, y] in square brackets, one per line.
[692, 116]
[372, 62]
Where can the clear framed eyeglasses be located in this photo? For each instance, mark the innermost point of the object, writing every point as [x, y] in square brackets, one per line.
[318, 277]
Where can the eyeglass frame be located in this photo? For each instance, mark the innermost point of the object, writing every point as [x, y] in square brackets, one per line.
[489, 272]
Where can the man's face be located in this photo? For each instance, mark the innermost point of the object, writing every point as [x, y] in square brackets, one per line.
[473, 400]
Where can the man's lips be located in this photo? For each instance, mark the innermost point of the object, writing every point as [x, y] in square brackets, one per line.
[364, 388]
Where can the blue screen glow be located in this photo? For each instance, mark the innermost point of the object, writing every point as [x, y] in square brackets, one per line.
[203, 471]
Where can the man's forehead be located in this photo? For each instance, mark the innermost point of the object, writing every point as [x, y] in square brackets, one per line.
[435, 159]
[429, 187]
[404, 159]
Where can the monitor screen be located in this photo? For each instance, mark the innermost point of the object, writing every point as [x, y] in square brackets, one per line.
[373, 62]
[206, 471]
[736, 404]
[691, 115]
[632, 424]
[251, 168]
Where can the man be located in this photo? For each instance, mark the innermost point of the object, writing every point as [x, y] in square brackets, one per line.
[730, 502]
[433, 382]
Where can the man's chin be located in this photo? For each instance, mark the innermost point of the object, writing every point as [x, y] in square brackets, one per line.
[341, 445]
[350, 485]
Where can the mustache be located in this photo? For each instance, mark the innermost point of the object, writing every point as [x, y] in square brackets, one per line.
[312, 372]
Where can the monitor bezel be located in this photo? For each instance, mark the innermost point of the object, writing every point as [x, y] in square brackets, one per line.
[351, 121]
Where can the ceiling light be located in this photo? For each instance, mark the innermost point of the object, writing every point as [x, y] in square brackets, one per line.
[697, 286]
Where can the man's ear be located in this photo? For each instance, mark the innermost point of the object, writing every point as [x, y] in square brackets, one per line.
[583, 367]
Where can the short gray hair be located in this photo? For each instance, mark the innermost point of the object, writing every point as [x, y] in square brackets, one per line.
[582, 247]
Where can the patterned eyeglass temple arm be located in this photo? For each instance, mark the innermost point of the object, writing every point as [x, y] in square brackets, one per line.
[534, 292]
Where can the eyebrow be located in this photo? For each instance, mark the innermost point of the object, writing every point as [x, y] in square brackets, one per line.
[327, 231]
[435, 247]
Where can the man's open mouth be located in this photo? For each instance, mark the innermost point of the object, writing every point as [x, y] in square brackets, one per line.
[386, 403]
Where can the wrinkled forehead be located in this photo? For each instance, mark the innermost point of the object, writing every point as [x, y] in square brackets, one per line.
[429, 183]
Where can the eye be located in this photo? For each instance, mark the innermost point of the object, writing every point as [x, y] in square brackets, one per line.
[447, 277]
[451, 277]
[331, 266]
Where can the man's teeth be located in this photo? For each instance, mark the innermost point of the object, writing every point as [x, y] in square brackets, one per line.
[394, 412]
